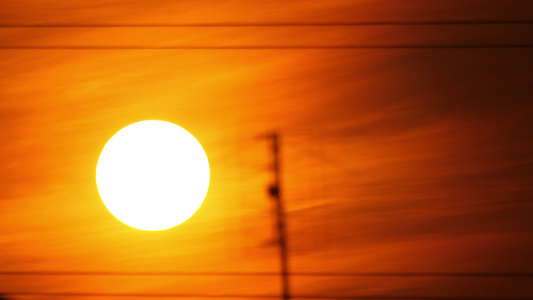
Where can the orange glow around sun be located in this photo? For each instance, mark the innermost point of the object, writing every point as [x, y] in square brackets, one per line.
[152, 175]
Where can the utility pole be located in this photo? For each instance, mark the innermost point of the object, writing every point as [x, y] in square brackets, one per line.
[275, 195]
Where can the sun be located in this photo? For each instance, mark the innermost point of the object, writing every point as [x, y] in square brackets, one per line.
[152, 175]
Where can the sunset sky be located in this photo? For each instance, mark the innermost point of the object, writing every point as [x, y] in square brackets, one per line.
[405, 138]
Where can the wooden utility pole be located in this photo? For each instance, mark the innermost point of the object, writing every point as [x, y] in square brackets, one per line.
[275, 195]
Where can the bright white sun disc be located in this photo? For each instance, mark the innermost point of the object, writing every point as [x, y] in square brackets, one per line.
[152, 175]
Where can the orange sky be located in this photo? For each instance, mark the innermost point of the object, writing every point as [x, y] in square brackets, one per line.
[394, 160]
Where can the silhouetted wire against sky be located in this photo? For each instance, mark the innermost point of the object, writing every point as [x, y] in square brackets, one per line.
[269, 24]
[307, 274]
[265, 47]
[148, 295]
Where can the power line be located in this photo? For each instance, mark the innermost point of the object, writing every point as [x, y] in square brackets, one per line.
[259, 274]
[267, 47]
[138, 295]
[163, 295]
[270, 24]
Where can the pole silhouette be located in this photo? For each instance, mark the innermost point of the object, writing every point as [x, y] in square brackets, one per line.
[276, 196]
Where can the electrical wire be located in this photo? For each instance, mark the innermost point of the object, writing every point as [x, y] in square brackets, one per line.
[263, 274]
[270, 24]
[266, 47]
[361, 297]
